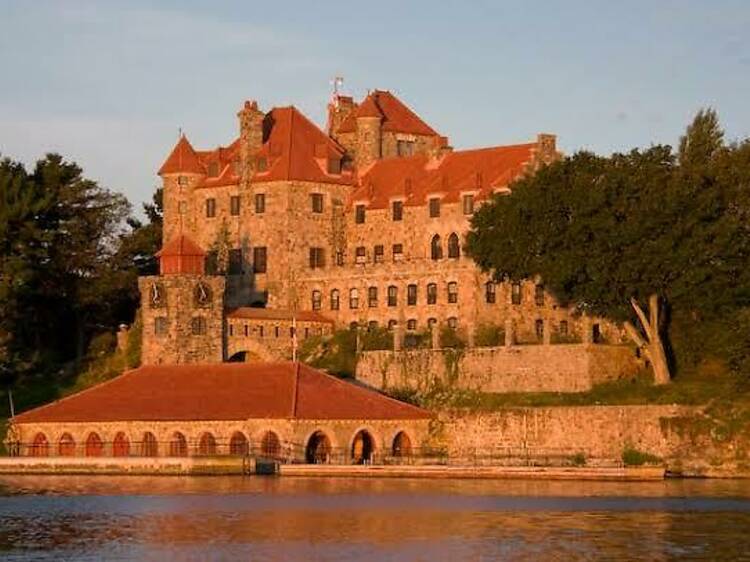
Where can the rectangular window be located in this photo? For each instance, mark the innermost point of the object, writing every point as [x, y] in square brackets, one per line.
[434, 207]
[404, 148]
[317, 258]
[212, 262]
[411, 295]
[259, 259]
[398, 252]
[182, 180]
[539, 295]
[213, 169]
[260, 203]
[261, 163]
[432, 293]
[317, 298]
[515, 293]
[231, 330]
[392, 295]
[161, 325]
[372, 297]
[353, 298]
[452, 292]
[234, 205]
[316, 202]
[339, 258]
[210, 208]
[378, 253]
[182, 207]
[360, 255]
[563, 327]
[247, 330]
[468, 201]
[198, 326]
[359, 214]
[334, 166]
[397, 210]
[489, 292]
[235, 261]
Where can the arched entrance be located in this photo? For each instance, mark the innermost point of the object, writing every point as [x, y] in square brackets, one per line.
[401, 445]
[207, 445]
[318, 450]
[149, 445]
[121, 445]
[66, 447]
[363, 447]
[238, 445]
[94, 445]
[270, 445]
[40, 446]
[178, 445]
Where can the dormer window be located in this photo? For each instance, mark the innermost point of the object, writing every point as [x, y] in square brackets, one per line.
[434, 205]
[468, 204]
[405, 148]
[359, 214]
[334, 166]
[182, 180]
[262, 164]
[397, 208]
[213, 169]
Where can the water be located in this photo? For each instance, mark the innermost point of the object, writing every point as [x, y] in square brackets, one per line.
[311, 519]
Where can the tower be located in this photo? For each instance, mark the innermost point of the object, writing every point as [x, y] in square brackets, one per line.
[182, 308]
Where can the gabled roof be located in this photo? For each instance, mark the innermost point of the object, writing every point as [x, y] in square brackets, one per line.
[251, 313]
[414, 178]
[181, 246]
[397, 117]
[223, 391]
[182, 159]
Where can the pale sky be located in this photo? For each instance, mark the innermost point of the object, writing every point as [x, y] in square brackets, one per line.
[108, 84]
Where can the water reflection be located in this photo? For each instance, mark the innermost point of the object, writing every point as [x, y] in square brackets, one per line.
[229, 518]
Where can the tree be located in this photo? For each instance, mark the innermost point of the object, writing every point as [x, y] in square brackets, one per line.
[629, 236]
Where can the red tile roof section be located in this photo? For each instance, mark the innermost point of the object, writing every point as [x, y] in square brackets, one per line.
[181, 246]
[277, 314]
[183, 159]
[226, 391]
[415, 178]
[397, 117]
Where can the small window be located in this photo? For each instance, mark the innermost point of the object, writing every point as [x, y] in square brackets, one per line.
[247, 330]
[359, 214]
[468, 204]
[234, 205]
[431, 323]
[378, 253]
[392, 325]
[334, 166]
[392, 295]
[411, 324]
[454, 248]
[489, 292]
[453, 323]
[213, 169]
[259, 259]
[260, 203]
[515, 293]
[372, 325]
[260, 331]
[397, 210]
[360, 255]
[452, 292]
[339, 258]
[411, 295]
[539, 295]
[210, 208]
[539, 329]
[372, 297]
[353, 299]
[432, 293]
[404, 148]
[434, 207]
[335, 299]
[317, 298]
[398, 252]
[235, 261]
[563, 328]
[231, 330]
[596, 334]
[436, 248]
[198, 326]
[317, 258]
[261, 164]
[182, 207]
[161, 325]
[276, 331]
[316, 201]
[182, 180]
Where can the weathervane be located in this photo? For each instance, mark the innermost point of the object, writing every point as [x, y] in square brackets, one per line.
[337, 82]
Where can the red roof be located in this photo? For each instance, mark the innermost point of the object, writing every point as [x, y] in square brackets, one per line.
[277, 314]
[416, 177]
[180, 246]
[397, 117]
[224, 391]
[183, 159]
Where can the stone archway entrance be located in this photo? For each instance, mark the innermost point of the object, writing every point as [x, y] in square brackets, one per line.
[318, 450]
[363, 448]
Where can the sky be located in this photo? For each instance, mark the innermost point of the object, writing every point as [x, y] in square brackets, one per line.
[110, 84]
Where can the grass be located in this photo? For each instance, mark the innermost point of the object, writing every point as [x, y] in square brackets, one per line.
[634, 457]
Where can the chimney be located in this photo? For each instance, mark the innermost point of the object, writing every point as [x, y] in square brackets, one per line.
[251, 135]
[546, 148]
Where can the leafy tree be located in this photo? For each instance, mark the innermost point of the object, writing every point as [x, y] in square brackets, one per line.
[629, 236]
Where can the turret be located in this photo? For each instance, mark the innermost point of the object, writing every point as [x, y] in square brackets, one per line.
[369, 133]
[180, 173]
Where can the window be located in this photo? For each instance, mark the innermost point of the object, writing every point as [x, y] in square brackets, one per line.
[182, 180]
[334, 166]
[316, 201]
[436, 248]
[468, 204]
[261, 163]
[198, 326]
[434, 207]
[397, 210]
[353, 298]
[372, 297]
[411, 295]
[489, 292]
[317, 297]
[453, 322]
[539, 295]
[353, 326]
[161, 325]
[432, 293]
[454, 249]
[231, 330]
[372, 325]
[259, 259]
[339, 258]
[378, 253]
[515, 293]
[539, 329]
[596, 334]
[234, 205]
[392, 295]
[317, 258]
[212, 262]
[247, 330]
[411, 324]
[392, 325]
[359, 214]
[360, 255]
[260, 331]
[452, 292]
[210, 208]
[182, 207]
[235, 261]
[276, 331]
[335, 299]
[398, 252]
[213, 169]
[563, 327]
[260, 203]
[404, 148]
[431, 323]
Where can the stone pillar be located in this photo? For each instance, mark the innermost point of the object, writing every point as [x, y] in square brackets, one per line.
[471, 335]
[586, 329]
[435, 333]
[547, 332]
[122, 337]
[398, 337]
[510, 333]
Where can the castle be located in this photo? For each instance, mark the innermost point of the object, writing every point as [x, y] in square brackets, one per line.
[359, 226]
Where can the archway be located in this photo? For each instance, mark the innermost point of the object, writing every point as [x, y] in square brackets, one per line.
[94, 445]
[178, 445]
[40, 446]
[66, 447]
[270, 445]
[121, 445]
[238, 444]
[401, 445]
[318, 450]
[363, 447]
[207, 445]
[149, 445]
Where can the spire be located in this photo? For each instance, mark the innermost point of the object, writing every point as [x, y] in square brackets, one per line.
[182, 159]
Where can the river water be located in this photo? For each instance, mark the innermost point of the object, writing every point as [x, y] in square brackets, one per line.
[309, 519]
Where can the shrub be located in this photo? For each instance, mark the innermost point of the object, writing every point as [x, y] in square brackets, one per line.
[579, 459]
[489, 335]
[375, 339]
[634, 457]
[336, 353]
[133, 348]
[418, 340]
[450, 338]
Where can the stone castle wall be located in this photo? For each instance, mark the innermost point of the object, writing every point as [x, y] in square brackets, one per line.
[522, 368]
[269, 340]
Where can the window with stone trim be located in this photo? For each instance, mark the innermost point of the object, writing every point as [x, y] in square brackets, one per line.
[468, 204]
[436, 248]
[260, 259]
[372, 297]
[397, 210]
[231, 330]
[317, 298]
[359, 214]
[353, 298]
[316, 202]
[198, 326]
[411, 294]
[452, 292]
[317, 258]
[210, 207]
[454, 247]
[378, 253]
[539, 295]
[161, 325]
[260, 203]
[392, 295]
[398, 252]
[411, 324]
[490, 295]
[360, 254]
[234, 205]
[335, 299]
[434, 207]
[515, 293]
[432, 293]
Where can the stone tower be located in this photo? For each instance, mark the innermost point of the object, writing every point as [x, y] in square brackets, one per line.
[369, 133]
[182, 309]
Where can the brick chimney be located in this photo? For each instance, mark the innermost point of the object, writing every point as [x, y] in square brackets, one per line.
[546, 148]
[251, 135]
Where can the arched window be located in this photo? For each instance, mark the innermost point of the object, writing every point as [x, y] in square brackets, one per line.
[432, 293]
[452, 292]
[270, 445]
[363, 448]
[335, 299]
[40, 446]
[121, 445]
[317, 298]
[372, 325]
[454, 248]
[372, 297]
[453, 322]
[392, 325]
[353, 298]
[178, 445]
[401, 445]
[94, 445]
[489, 292]
[238, 444]
[515, 293]
[207, 445]
[411, 324]
[431, 323]
[318, 450]
[392, 295]
[66, 447]
[436, 248]
[149, 445]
